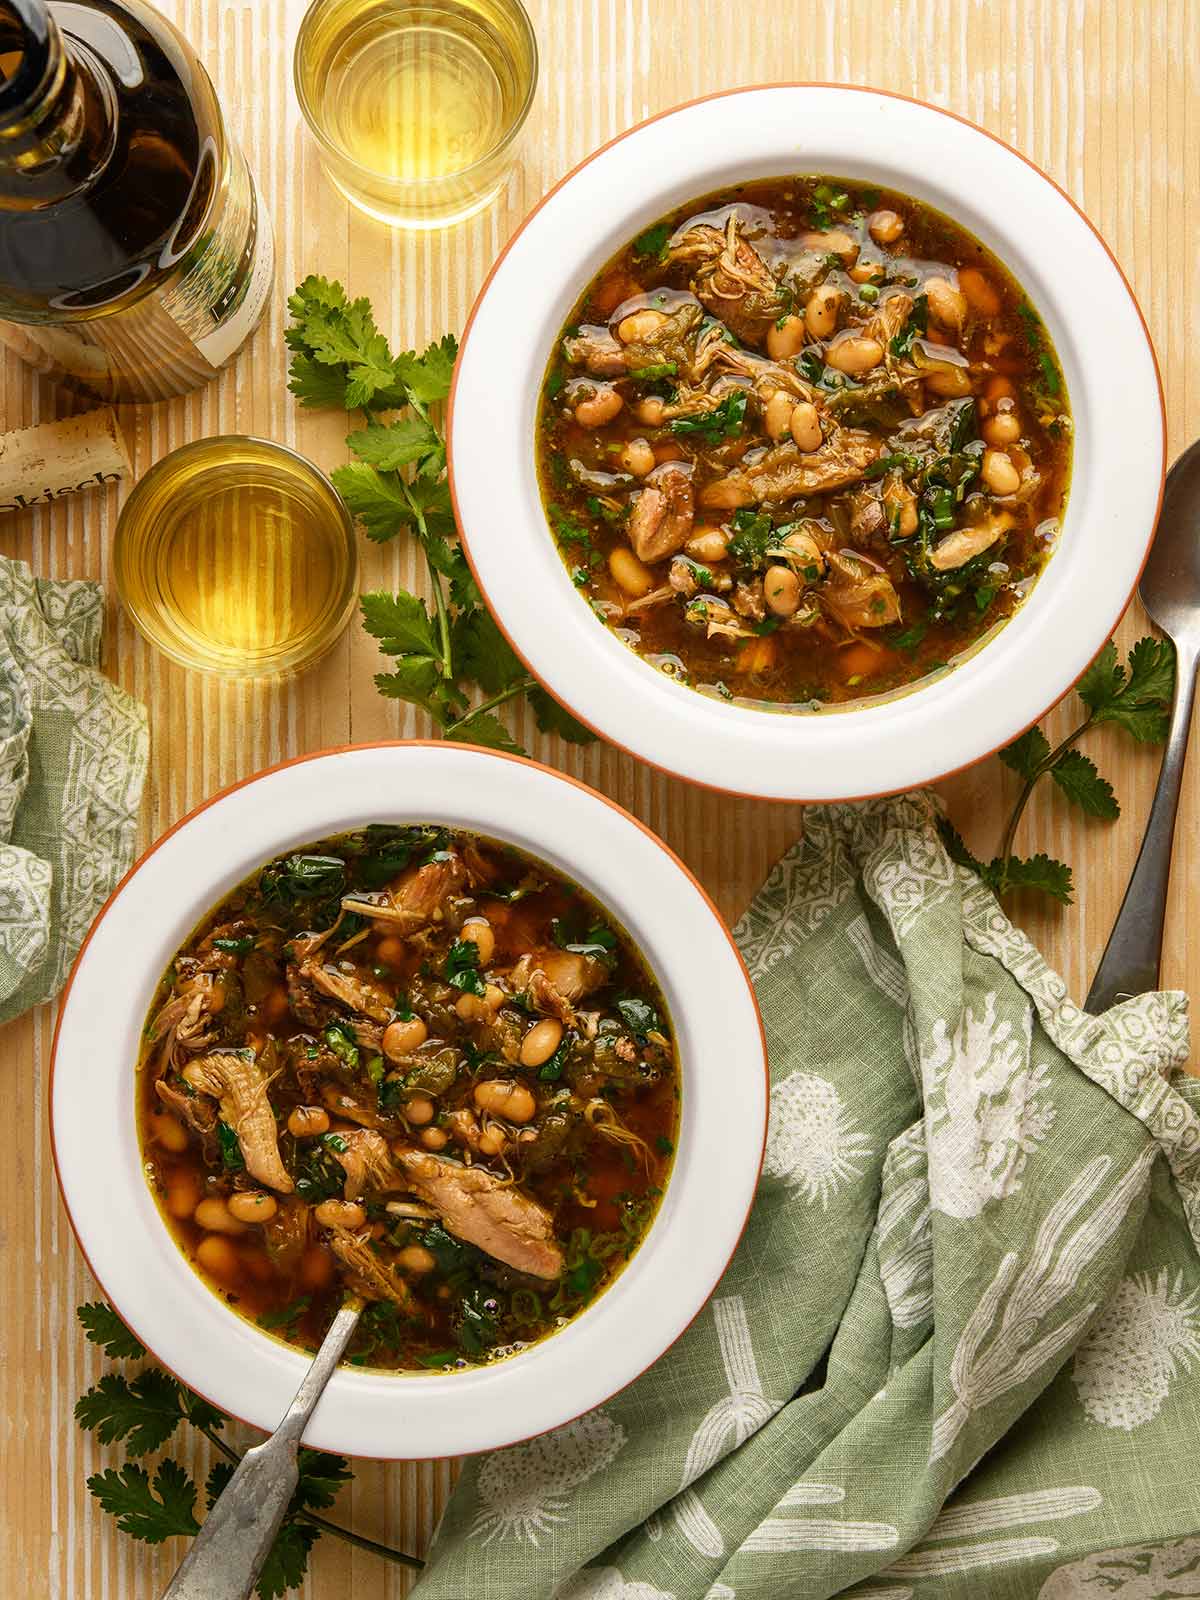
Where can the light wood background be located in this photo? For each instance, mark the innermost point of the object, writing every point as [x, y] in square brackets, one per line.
[1101, 93]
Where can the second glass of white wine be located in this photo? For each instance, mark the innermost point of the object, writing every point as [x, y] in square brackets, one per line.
[416, 107]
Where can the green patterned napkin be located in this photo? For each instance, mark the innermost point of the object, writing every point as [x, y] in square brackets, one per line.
[956, 1355]
[73, 752]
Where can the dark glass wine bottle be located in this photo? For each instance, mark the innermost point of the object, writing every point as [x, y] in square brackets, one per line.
[135, 252]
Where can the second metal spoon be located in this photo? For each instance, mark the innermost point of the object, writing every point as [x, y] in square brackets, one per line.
[228, 1553]
[1170, 592]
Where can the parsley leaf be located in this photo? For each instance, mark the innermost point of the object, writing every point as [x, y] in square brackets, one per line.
[653, 242]
[444, 647]
[482, 728]
[553, 718]
[104, 1327]
[379, 503]
[484, 654]
[1026, 754]
[409, 441]
[287, 1560]
[917, 324]
[149, 1512]
[1077, 777]
[427, 377]
[1041, 873]
[723, 422]
[143, 1411]
[1138, 698]
[401, 621]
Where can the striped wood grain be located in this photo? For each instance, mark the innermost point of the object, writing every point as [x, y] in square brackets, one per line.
[1101, 93]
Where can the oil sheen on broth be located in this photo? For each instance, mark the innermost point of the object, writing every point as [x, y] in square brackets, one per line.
[804, 443]
[415, 1063]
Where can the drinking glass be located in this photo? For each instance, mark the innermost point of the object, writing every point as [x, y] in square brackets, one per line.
[416, 104]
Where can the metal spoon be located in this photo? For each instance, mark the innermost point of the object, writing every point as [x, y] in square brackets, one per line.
[228, 1552]
[1170, 592]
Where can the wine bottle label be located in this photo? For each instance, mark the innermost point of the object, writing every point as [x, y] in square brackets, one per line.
[238, 320]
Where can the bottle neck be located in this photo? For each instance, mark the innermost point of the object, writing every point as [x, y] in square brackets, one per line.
[55, 121]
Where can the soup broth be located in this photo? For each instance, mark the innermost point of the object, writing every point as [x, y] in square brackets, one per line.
[416, 1064]
[804, 443]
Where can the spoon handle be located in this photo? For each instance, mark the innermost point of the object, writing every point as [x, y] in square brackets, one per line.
[228, 1552]
[1130, 961]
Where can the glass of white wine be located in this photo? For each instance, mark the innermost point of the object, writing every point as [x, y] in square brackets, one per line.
[416, 104]
[236, 556]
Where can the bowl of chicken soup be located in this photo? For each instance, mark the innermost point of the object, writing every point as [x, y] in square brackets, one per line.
[450, 1051]
[813, 456]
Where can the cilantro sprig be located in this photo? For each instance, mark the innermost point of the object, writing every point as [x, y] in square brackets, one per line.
[1136, 697]
[444, 649]
[143, 1412]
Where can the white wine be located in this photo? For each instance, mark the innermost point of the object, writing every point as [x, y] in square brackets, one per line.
[416, 104]
[135, 253]
[236, 556]
[420, 100]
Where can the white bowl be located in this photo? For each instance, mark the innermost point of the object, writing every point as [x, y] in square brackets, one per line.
[1072, 279]
[722, 1124]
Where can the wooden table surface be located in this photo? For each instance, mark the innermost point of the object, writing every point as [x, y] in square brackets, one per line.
[1100, 93]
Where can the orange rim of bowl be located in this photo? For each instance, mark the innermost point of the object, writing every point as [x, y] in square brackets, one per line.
[725, 94]
[407, 744]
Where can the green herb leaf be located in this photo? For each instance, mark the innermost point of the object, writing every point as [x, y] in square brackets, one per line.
[339, 1036]
[753, 535]
[1103, 680]
[378, 502]
[428, 377]
[104, 1327]
[285, 1316]
[483, 654]
[1040, 873]
[148, 1512]
[653, 242]
[462, 967]
[723, 422]
[287, 1560]
[553, 718]
[638, 1015]
[407, 442]
[484, 729]
[143, 1411]
[235, 947]
[916, 326]
[322, 1478]
[232, 1158]
[315, 384]
[1077, 777]
[1026, 754]
[401, 621]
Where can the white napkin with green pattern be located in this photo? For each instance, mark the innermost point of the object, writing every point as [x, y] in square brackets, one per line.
[73, 752]
[957, 1354]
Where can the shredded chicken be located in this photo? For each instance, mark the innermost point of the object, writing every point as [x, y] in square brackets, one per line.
[367, 1162]
[661, 520]
[235, 1079]
[858, 593]
[964, 544]
[198, 1110]
[555, 980]
[345, 1105]
[730, 278]
[365, 1272]
[416, 899]
[487, 1211]
[784, 473]
[596, 350]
